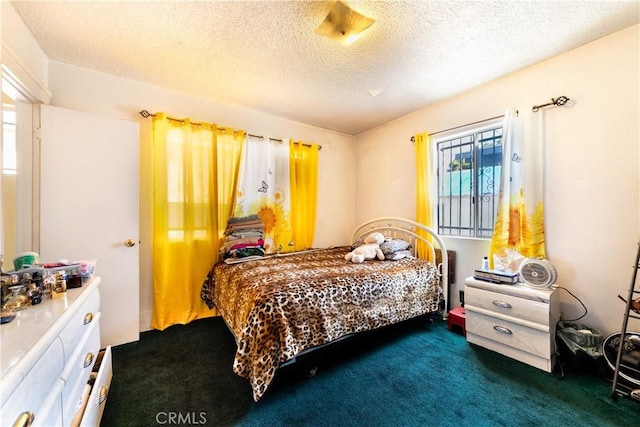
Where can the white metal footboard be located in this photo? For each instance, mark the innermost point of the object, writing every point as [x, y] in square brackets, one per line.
[407, 229]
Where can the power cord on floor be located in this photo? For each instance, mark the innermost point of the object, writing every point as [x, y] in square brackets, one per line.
[577, 299]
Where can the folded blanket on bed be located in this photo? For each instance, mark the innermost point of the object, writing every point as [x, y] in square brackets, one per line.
[240, 243]
[247, 251]
[243, 237]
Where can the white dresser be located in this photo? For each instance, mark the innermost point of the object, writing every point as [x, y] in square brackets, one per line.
[514, 320]
[48, 354]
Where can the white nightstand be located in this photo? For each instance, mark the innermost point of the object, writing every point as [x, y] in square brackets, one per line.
[514, 320]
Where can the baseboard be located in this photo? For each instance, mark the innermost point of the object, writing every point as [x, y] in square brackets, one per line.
[145, 321]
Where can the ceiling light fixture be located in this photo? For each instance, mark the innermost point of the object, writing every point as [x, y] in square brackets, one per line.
[343, 24]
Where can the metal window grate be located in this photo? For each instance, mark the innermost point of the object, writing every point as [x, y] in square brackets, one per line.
[469, 168]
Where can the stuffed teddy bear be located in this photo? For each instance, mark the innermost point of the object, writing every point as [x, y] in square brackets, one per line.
[370, 249]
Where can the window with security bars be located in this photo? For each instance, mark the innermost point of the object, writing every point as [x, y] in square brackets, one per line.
[469, 167]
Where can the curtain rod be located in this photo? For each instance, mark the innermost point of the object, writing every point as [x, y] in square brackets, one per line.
[413, 139]
[145, 114]
[559, 101]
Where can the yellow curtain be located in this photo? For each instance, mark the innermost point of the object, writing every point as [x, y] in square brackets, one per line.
[229, 147]
[424, 168]
[186, 214]
[303, 175]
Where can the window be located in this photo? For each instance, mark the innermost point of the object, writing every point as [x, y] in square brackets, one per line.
[9, 153]
[188, 170]
[469, 166]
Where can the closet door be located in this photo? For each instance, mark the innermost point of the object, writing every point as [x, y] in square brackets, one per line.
[89, 208]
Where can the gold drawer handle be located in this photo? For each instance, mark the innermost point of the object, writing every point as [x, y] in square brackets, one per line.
[104, 390]
[88, 359]
[25, 419]
[501, 304]
[88, 318]
[503, 330]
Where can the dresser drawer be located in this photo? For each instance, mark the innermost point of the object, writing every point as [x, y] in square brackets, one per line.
[78, 368]
[511, 334]
[81, 319]
[99, 392]
[36, 386]
[50, 414]
[508, 305]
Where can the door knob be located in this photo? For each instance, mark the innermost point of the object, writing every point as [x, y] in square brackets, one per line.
[129, 243]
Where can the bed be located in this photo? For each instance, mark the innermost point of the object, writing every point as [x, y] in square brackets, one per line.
[280, 307]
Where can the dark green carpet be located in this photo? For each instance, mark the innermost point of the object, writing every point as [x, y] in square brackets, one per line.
[414, 374]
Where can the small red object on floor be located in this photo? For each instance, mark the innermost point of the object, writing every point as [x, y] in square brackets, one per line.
[456, 319]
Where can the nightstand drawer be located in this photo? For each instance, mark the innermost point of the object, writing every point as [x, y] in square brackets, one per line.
[508, 305]
[508, 333]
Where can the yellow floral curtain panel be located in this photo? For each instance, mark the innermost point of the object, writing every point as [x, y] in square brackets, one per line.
[519, 226]
[195, 170]
[278, 185]
[263, 192]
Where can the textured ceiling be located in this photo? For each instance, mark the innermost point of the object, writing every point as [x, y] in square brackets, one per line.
[266, 56]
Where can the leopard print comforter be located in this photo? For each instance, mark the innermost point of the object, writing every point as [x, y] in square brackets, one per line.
[280, 306]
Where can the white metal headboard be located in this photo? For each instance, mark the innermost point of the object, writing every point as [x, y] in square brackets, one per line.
[407, 229]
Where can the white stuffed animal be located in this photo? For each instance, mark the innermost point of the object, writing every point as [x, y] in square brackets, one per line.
[370, 250]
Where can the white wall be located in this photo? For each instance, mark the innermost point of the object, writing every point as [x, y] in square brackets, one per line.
[592, 171]
[21, 54]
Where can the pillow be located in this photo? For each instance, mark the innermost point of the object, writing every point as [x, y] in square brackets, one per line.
[399, 255]
[391, 246]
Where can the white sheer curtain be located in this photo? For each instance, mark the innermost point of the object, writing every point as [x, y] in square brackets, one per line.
[263, 190]
[519, 227]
